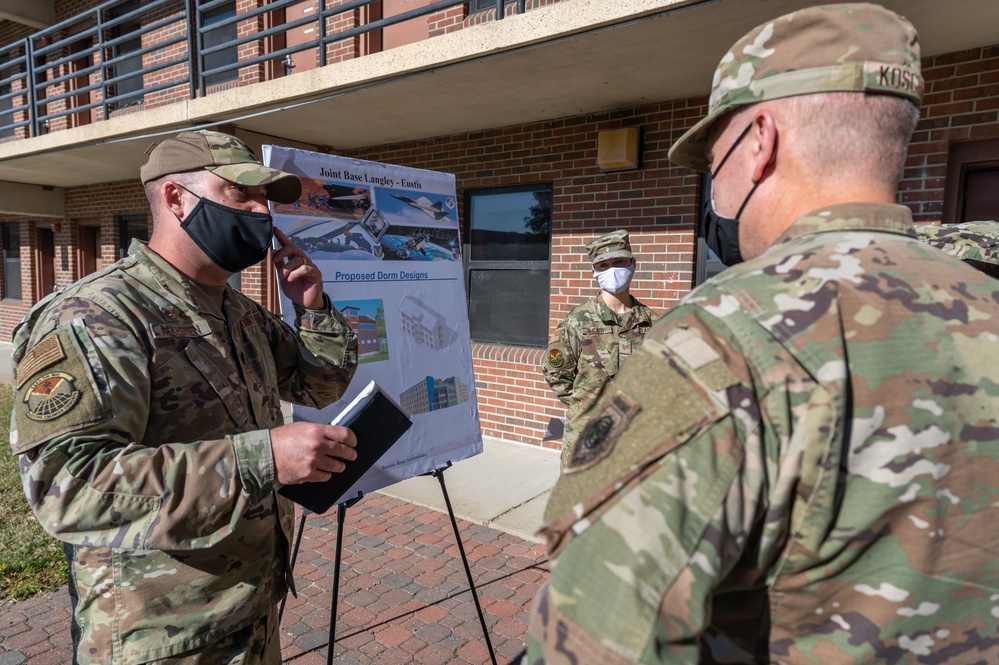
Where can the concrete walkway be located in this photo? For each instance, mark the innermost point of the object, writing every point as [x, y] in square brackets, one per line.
[404, 595]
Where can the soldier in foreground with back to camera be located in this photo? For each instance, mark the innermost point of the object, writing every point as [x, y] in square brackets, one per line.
[799, 464]
[594, 339]
[148, 418]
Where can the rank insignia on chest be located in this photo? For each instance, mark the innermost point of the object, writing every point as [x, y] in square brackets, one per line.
[51, 396]
[555, 358]
[602, 432]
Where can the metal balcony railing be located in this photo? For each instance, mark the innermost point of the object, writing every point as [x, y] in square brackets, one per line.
[125, 55]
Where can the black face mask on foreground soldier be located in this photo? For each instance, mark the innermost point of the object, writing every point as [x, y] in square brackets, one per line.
[234, 239]
[722, 233]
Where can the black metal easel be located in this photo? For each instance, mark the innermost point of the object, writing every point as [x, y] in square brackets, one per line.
[340, 516]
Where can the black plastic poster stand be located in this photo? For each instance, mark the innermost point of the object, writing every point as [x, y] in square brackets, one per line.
[340, 516]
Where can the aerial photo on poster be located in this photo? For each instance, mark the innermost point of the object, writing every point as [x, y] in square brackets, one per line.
[336, 219]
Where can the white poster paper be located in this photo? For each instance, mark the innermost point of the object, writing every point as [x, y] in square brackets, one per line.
[386, 239]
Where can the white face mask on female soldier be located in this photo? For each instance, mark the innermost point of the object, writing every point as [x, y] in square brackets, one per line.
[615, 280]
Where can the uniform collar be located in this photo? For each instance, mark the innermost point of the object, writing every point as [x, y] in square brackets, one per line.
[885, 217]
[174, 284]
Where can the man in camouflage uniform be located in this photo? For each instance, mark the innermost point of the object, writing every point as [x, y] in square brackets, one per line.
[977, 243]
[595, 337]
[799, 463]
[148, 421]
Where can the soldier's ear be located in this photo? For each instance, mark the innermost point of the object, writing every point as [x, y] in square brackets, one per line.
[172, 197]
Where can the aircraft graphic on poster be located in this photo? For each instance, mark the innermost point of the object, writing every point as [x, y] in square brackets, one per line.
[434, 209]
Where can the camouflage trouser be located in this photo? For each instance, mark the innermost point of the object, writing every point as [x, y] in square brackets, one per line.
[257, 644]
[568, 441]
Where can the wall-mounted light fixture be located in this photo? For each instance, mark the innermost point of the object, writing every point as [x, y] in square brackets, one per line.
[617, 149]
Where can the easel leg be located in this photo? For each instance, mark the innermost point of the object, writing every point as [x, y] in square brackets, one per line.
[294, 556]
[439, 473]
[341, 514]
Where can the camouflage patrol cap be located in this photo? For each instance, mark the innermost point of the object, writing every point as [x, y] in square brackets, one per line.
[833, 48]
[975, 242]
[609, 246]
[224, 155]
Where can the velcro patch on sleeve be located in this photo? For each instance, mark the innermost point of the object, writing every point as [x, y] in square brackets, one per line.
[58, 397]
[701, 358]
[44, 354]
[651, 407]
[601, 432]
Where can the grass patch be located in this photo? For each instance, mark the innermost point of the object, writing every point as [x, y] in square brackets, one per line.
[31, 561]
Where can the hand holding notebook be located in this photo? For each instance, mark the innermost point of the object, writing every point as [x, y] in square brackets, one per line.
[377, 422]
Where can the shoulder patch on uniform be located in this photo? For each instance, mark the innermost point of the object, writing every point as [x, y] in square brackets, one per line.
[58, 397]
[602, 431]
[46, 353]
[51, 396]
[555, 359]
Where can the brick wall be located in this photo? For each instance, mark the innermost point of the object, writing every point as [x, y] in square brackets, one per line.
[656, 203]
[961, 103]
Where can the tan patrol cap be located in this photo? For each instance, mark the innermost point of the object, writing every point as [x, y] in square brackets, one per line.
[224, 155]
[609, 246]
[833, 48]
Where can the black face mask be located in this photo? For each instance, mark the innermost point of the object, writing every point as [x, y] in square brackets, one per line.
[234, 239]
[722, 233]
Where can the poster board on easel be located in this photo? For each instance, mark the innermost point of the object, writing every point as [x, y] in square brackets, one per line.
[387, 241]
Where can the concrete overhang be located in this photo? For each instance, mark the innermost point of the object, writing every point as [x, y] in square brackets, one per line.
[38, 14]
[570, 58]
[32, 200]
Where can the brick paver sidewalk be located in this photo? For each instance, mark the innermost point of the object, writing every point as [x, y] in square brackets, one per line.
[404, 595]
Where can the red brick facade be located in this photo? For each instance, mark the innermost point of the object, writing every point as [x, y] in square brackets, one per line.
[657, 203]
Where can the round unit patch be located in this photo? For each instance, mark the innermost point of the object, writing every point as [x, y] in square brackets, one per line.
[51, 396]
[556, 359]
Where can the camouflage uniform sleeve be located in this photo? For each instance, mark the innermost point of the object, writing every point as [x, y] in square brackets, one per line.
[661, 493]
[81, 407]
[560, 361]
[316, 364]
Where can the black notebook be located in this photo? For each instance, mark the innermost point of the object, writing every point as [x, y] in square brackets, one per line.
[378, 422]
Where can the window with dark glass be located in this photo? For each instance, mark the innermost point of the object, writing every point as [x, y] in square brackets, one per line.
[11, 260]
[131, 227]
[507, 250]
[126, 72]
[481, 5]
[216, 31]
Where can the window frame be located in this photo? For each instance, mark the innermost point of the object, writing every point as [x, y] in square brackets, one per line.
[219, 36]
[964, 158]
[126, 223]
[6, 101]
[131, 67]
[11, 260]
[469, 266]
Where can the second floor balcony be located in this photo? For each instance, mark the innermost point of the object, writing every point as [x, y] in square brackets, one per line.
[128, 55]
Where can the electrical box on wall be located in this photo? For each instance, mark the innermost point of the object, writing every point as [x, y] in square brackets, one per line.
[617, 149]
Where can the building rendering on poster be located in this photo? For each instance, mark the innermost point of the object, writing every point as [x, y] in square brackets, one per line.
[386, 239]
